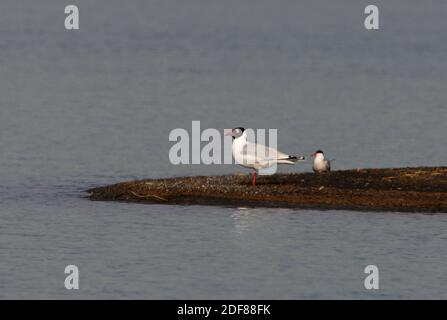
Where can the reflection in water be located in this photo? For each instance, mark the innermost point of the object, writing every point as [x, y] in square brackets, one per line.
[247, 219]
[243, 219]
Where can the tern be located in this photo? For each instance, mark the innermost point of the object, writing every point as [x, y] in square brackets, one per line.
[320, 163]
[256, 156]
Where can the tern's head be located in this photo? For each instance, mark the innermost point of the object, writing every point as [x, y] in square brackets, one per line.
[318, 153]
[236, 132]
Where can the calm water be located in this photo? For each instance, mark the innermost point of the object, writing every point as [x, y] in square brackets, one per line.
[95, 106]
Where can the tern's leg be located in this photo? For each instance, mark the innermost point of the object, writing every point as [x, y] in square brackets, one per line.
[254, 178]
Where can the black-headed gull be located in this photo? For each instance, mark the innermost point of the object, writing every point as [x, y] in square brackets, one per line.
[320, 163]
[256, 156]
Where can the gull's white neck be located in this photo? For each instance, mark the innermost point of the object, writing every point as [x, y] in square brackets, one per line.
[242, 139]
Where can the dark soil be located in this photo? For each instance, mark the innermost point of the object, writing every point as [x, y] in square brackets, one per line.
[421, 189]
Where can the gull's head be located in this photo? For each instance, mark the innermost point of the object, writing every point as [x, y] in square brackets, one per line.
[236, 132]
[318, 154]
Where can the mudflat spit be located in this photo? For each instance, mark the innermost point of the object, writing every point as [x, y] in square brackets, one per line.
[422, 189]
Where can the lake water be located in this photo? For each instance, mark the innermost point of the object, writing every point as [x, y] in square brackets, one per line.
[95, 106]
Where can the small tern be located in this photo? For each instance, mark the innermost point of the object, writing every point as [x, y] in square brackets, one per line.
[320, 163]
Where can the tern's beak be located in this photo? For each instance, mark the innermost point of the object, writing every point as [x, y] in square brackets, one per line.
[229, 134]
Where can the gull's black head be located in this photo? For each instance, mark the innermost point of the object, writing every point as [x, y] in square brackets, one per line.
[236, 132]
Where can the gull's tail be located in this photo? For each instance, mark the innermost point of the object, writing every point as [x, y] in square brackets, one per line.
[291, 159]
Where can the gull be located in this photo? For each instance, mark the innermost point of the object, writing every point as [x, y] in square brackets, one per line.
[320, 163]
[256, 156]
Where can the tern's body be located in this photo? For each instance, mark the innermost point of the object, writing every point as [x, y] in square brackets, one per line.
[320, 163]
[257, 156]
